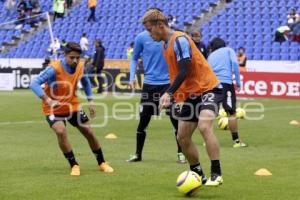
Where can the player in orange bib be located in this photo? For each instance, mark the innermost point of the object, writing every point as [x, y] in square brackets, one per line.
[60, 103]
[194, 87]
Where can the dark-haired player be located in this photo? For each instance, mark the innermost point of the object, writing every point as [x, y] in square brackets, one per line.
[156, 82]
[60, 103]
[224, 62]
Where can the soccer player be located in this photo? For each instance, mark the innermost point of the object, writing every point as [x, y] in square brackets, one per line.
[98, 62]
[224, 63]
[196, 37]
[194, 88]
[60, 103]
[156, 82]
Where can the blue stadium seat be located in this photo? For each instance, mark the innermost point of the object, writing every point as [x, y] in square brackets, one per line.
[284, 57]
[294, 56]
[275, 57]
[248, 23]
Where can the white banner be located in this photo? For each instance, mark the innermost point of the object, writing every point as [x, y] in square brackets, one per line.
[273, 66]
[20, 62]
[7, 81]
[252, 65]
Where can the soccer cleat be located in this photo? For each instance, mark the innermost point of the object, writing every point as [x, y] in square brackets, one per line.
[204, 179]
[75, 170]
[201, 173]
[214, 180]
[134, 158]
[105, 167]
[239, 144]
[181, 158]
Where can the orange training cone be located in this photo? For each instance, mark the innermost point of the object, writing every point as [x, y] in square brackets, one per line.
[263, 172]
[111, 136]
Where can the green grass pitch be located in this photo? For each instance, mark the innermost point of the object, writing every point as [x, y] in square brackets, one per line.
[32, 166]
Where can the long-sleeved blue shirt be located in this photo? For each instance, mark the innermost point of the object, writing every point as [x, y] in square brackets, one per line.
[183, 53]
[155, 67]
[49, 75]
[224, 63]
[182, 48]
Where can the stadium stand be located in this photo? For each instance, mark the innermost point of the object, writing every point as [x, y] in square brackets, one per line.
[252, 24]
[247, 23]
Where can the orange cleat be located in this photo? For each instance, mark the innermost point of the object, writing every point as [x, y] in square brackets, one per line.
[105, 167]
[75, 171]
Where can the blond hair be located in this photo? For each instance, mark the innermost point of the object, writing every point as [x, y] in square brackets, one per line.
[153, 16]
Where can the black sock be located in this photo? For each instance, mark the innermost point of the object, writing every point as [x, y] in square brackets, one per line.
[140, 141]
[99, 156]
[71, 158]
[235, 136]
[175, 126]
[197, 168]
[141, 134]
[215, 167]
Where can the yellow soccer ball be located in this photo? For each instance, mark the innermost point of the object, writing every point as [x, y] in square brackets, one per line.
[223, 123]
[240, 113]
[222, 113]
[189, 183]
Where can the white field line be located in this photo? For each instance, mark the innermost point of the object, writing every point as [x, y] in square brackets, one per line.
[44, 121]
[20, 122]
[282, 107]
[111, 117]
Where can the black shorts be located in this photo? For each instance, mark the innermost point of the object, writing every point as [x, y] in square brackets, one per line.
[150, 98]
[229, 98]
[191, 108]
[75, 119]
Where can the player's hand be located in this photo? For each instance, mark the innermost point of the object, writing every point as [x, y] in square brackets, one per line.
[165, 101]
[92, 109]
[132, 84]
[238, 88]
[52, 103]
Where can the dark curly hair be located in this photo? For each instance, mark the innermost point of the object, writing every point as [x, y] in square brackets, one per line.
[72, 46]
[216, 43]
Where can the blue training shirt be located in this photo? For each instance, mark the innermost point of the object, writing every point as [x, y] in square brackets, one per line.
[48, 75]
[155, 67]
[224, 63]
[182, 48]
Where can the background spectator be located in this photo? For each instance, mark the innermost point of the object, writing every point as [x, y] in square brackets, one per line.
[130, 51]
[58, 9]
[36, 9]
[281, 34]
[54, 48]
[197, 36]
[46, 63]
[98, 62]
[28, 7]
[69, 3]
[63, 45]
[292, 17]
[92, 6]
[172, 22]
[242, 58]
[21, 9]
[9, 5]
[90, 70]
[84, 44]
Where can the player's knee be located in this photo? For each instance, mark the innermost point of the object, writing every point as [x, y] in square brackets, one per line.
[181, 139]
[61, 132]
[204, 128]
[88, 132]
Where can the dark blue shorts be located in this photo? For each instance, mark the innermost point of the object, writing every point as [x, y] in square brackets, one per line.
[75, 119]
